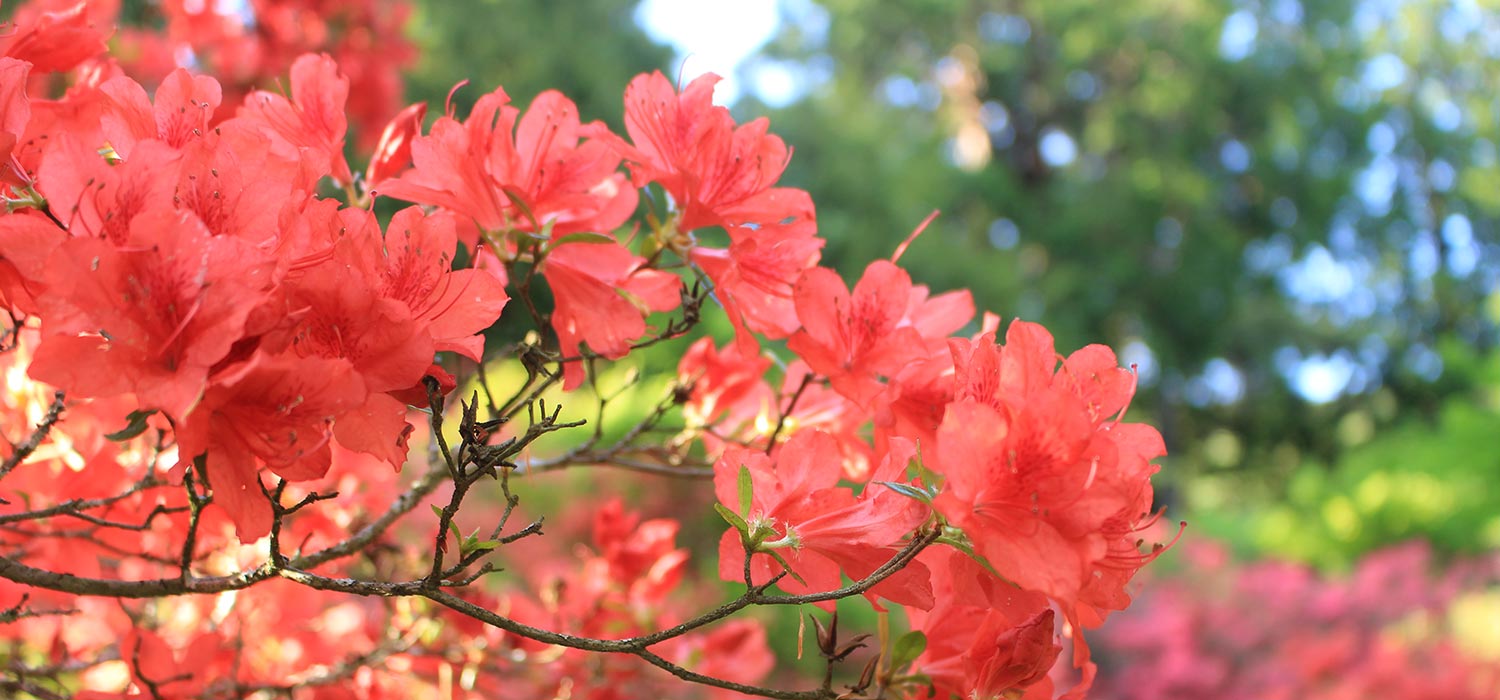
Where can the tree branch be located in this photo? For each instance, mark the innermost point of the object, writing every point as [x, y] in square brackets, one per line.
[38, 434]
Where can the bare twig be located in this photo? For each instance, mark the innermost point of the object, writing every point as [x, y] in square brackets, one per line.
[38, 435]
[791, 405]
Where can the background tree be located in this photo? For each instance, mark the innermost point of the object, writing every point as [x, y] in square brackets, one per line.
[1285, 211]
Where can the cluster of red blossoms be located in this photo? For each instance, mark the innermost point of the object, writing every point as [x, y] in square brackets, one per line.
[205, 346]
[245, 45]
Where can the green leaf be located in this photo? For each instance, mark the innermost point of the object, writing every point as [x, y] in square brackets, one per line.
[908, 490]
[485, 545]
[962, 544]
[582, 237]
[649, 246]
[514, 195]
[436, 510]
[920, 471]
[472, 544]
[777, 555]
[656, 196]
[733, 519]
[135, 425]
[907, 648]
[747, 491]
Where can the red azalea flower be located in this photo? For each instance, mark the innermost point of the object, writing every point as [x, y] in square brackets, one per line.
[642, 557]
[152, 317]
[986, 638]
[15, 112]
[404, 277]
[97, 198]
[26, 242]
[56, 40]
[238, 186]
[506, 174]
[603, 295]
[1037, 464]
[393, 151]
[228, 176]
[913, 404]
[754, 278]
[312, 124]
[183, 110]
[338, 302]
[416, 267]
[822, 529]
[1010, 478]
[272, 411]
[386, 305]
[718, 175]
[1007, 658]
[722, 384]
[856, 339]
[937, 317]
[335, 311]
[378, 427]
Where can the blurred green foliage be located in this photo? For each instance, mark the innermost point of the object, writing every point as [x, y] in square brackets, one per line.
[1286, 211]
[1162, 173]
[1418, 478]
[1291, 205]
[588, 49]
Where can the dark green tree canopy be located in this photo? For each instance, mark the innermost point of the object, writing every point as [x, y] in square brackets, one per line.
[1284, 211]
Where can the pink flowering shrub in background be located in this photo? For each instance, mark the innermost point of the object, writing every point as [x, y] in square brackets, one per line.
[1270, 630]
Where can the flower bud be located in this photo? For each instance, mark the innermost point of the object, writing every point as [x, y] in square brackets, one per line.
[393, 152]
[1005, 659]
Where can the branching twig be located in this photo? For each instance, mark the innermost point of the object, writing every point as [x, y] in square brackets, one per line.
[38, 434]
[20, 611]
[791, 405]
[76, 506]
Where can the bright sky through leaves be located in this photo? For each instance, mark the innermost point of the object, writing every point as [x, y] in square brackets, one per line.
[711, 36]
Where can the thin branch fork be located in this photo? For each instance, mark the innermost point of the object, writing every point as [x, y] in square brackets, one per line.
[38, 435]
[464, 464]
[637, 646]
